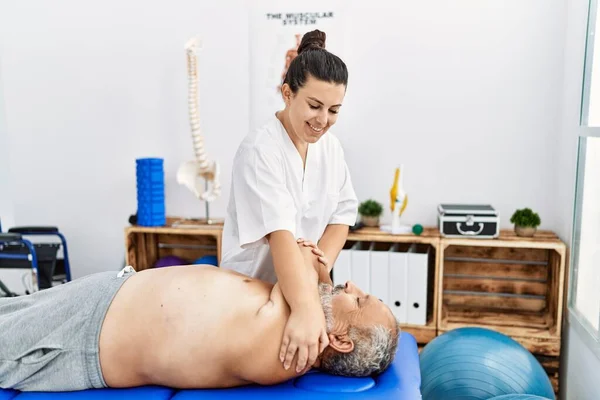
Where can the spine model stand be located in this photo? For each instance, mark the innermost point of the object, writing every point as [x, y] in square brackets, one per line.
[189, 172]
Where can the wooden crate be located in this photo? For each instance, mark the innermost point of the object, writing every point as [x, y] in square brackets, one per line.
[187, 239]
[511, 284]
[552, 367]
[430, 237]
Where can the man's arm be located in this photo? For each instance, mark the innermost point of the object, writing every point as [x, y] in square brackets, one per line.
[333, 241]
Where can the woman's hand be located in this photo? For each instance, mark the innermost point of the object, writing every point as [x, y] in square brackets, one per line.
[305, 332]
[316, 251]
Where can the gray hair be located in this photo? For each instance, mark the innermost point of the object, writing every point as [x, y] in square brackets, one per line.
[374, 350]
[374, 347]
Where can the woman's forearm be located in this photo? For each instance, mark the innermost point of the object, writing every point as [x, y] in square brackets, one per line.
[333, 241]
[295, 272]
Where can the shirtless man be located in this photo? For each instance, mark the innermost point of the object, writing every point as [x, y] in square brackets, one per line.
[181, 327]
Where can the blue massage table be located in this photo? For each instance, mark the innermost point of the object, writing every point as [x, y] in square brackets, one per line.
[401, 381]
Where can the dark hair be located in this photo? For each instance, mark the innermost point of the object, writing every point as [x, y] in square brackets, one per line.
[313, 59]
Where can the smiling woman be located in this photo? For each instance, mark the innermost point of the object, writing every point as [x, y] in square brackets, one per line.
[290, 181]
[311, 111]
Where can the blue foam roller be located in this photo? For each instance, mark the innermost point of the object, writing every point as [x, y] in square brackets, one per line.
[148, 211]
[151, 221]
[149, 161]
[152, 192]
[149, 200]
[478, 363]
[153, 208]
[151, 177]
[150, 189]
[148, 217]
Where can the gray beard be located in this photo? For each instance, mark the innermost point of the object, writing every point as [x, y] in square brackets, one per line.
[326, 293]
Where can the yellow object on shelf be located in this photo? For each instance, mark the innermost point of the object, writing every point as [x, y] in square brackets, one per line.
[394, 189]
[397, 193]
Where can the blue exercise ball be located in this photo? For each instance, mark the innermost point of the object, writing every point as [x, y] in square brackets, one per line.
[520, 397]
[479, 363]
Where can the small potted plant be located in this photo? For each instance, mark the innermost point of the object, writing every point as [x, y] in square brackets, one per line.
[526, 222]
[370, 211]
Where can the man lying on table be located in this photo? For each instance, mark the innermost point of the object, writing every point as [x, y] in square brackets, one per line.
[181, 327]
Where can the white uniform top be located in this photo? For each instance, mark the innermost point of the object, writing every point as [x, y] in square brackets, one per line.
[271, 191]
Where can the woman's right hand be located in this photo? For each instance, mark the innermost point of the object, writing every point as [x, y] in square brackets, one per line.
[321, 257]
[305, 333]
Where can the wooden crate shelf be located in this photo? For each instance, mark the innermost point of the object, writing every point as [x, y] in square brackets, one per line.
[552, 367]
[187, 239]
[429, 236]
[511, 284]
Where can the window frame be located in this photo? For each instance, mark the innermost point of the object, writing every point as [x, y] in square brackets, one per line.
[588, 333]
[590, 41]
[578, 200]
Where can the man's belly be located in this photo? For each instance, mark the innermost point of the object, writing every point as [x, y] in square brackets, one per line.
[182, 327]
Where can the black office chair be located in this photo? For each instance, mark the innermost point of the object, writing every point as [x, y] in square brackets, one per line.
[16, 252]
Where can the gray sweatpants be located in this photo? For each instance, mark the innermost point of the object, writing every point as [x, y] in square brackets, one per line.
[49, 339]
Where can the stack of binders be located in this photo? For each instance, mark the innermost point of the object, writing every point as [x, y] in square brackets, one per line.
[397, 273]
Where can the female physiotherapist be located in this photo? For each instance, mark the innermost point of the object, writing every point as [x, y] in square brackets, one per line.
[290, 181]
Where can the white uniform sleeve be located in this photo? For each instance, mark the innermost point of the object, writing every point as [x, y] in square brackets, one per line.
[262, 200]
[347, 208]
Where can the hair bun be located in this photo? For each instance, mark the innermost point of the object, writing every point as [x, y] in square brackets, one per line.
[312, 40]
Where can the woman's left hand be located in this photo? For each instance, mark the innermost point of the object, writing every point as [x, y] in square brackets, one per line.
[315, 250]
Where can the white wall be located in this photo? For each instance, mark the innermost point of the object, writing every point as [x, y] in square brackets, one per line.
[462, 93]
[465, 94]
[6, 202]
[581, 365]
[90, 87]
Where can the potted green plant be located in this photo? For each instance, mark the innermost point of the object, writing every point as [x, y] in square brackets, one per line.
[526, 222]
[370, 211]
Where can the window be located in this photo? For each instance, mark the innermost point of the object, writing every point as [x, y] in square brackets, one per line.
[584, 296]
[590, 110]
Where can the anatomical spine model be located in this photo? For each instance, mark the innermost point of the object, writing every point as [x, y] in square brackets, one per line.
[189, 171]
